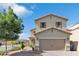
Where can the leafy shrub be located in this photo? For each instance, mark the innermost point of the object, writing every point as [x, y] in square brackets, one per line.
[22, 45]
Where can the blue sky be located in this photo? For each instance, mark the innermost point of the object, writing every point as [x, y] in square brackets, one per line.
[30, 11]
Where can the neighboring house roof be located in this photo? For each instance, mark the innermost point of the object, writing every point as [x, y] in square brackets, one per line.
[74, 27]
[51, 15]
[76, 23]
[65, 31]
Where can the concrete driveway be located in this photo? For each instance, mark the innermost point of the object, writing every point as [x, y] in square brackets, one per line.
[46, 53]
[28, 52]
[60, 53]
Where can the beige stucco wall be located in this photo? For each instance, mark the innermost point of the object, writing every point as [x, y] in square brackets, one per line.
[56, 34]
[75, 37]
[50, 22]
[56, 19]
[46, 19]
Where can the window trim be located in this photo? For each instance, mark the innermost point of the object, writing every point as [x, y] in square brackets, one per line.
[59, 24]
[42, 24]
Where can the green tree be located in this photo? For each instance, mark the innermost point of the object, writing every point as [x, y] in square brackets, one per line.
[10, 26]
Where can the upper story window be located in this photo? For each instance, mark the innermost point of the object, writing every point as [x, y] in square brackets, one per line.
[58, 24]
[43, 25]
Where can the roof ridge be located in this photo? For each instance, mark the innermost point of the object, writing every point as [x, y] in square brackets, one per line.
[49, 15]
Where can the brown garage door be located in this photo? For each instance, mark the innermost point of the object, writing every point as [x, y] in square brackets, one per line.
[52, 44]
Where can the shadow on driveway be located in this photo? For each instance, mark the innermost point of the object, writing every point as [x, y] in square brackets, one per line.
[26, 53]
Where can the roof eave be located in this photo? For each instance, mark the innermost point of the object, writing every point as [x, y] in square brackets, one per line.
[53, 28]
[49, 15]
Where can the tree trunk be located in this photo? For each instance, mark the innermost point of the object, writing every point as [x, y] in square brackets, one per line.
[6, 47]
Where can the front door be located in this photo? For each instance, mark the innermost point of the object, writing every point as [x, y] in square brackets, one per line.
[73, 45]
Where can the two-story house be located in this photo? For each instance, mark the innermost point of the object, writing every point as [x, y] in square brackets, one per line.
[51, 33]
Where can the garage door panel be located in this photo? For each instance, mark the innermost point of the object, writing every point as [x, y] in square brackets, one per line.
[52, 44]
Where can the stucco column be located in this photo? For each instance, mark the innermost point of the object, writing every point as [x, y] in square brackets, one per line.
[67, 45]
[36, 44]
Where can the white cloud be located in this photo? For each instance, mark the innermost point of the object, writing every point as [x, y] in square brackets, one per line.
[23, 36]
[18, 9]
